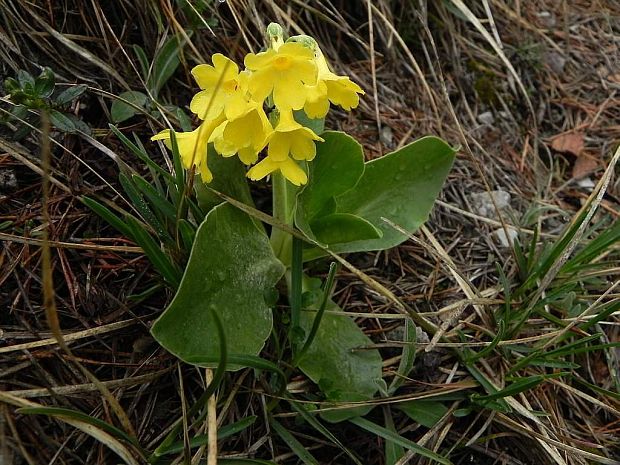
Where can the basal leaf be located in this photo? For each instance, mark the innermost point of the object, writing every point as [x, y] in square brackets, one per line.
[425, 412]
[126, 108]
[401, 187]
[230, 269]
[337, 167]
[343, 373]
[343, 227]
[165, 63]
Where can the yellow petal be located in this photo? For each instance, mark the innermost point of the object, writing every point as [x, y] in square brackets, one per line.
[208, 76]
[260, 84]
[279, 147]
[256, 61]
[343, 92]
[265, 167]
[297, 50]
[205, 172]
[287, 122]
[221, 145]
[237, 106]
[318, 108]
[205, 75]
[225, 67]
[293, 172]
[303, 148]
[248, 155]
[289, 94]
[207, 104]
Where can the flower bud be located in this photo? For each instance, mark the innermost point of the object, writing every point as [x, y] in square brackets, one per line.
[275, 35]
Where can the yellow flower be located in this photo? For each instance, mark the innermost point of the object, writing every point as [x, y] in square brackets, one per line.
[193, 146]
[221, 86]
[339, 90]
[284, 72]
[245, 135]
[289, 139]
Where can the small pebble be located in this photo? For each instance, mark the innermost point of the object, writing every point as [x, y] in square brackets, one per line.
[555, 61]
[503, 239]
[482, 202]
[8, 180]
[486, 118]
[586, 183]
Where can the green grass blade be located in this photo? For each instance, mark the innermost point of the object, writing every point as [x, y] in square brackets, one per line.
[162, 263]
[108, 216]
[398, 439]
[298, 449]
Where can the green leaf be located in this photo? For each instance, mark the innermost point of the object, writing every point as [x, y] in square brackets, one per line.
[521, 384]
[393, 452]
[425, 412]
[401, 187]
[398, 439]
[11, 86]
[337, 167]
[338, 228]
[105, 213]
[70, 94]
[343, 373]
[315, 124]
[162, 263]
[142, 59]
[407, 358]
[77, 415]
[44, 83]
[26, 81]
[202, 439]
[165, 63]
[298, 449]
[61, 121]
[230, 269]
[122, 108]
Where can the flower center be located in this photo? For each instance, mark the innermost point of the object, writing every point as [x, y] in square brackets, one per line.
[229, 86]
[281, 63]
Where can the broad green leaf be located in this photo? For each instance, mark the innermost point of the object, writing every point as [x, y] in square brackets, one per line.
[425, 412]
[44, 83]
[70, 94]
[230, 269]
[343, 227]
[124, 107]
[26, 81]
[61, 121]
[401, 187]
[343, 373]
[337, 167]
[165, 63]
[315, 124]
[228, 178]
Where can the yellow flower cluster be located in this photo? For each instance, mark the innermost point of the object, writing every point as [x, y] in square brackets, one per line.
[231, 105]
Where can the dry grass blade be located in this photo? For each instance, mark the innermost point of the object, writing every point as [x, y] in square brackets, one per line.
[49, 301]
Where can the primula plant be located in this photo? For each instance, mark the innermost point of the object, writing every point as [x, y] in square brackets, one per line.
[266, 121]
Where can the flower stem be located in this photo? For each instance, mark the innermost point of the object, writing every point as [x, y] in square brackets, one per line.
[283, 210]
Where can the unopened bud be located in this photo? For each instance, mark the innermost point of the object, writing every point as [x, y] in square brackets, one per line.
[275, 35]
